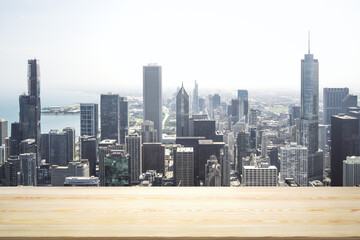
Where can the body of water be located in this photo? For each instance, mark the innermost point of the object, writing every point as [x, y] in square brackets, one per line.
[48, 122]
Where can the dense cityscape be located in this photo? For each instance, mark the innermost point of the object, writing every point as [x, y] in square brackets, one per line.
[187, 139]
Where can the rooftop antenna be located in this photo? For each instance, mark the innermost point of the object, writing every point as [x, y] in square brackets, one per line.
[308, 42]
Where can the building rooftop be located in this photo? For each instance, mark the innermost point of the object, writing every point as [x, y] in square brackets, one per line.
[352, 160]
[343, 116]
[184, 149]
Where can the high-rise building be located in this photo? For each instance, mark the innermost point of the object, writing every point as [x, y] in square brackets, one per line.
[235, 110]
[110, 116]
[201, 104]
[212, 172]
[105, 147]
[206, 148]
[124, 119]
[58, 145]
[27, 146]
[3, 130]
[133, 148]
[225, 159]
[184, 166]
[351, 171]
[88, 151]
[294, 113]
[243, 103]
[45, 147]
[344, 143]
[241, 150]
[253, 117]
[28, 169]
[182, 113]
[152, 96]
[89, 119]
[210, 106]
[332, 99]
[29, 117]
[15, 139]
[70, 135]
[261, 175]
[216, 100]
[293, 161]
[195, 100]
[153, 157]
[148, 133]
[264, 142]
[349, 101]
[203, 128]
[2, 154]
[308, 124]
[117, 169]
[12, 172]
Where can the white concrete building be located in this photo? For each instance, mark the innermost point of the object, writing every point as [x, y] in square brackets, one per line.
[261, 175]
[294, 163]
[351, 171]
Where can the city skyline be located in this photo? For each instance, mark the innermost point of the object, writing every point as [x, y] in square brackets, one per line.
[233, 39]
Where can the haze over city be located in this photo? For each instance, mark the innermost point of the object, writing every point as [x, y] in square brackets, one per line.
[101, 46]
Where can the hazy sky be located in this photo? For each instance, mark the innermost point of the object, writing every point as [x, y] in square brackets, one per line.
[102, 45]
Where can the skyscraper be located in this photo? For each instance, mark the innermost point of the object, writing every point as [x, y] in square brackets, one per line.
[195, 100]
[293, 160]
[110, 116]
[29, 117]
[182, 113]
[124, 119]
[216, 100]
[349, 100]
[28, 169]
[243, 103]
[133, 148]
[212, 172]
[58, 148]
[153, 157]
[307, 127]
[241, 150]
[3, 130]
[184, 166]
[88, 150]
[117, 169]
[152, 96]
[344, 143]
[70, 135]
[225, 159]
[89, 119]
[351, 171]
[332, 99]
[148, 133]
[294, 113]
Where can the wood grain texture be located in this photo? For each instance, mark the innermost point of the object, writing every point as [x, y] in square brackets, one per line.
[179, 212]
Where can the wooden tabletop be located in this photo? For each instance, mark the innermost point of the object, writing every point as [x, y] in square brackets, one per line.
[177, 212]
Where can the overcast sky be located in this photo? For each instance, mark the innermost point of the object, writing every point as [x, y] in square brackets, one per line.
[102, 45]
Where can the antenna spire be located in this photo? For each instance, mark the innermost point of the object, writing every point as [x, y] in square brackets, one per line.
[308, 42]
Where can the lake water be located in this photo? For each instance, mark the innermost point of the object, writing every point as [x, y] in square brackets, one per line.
[48, 122]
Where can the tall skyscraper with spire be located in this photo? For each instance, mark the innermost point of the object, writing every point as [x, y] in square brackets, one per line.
[29, 116]
[182, 113]
[308, 124]
[195, 101]
[152, 96]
